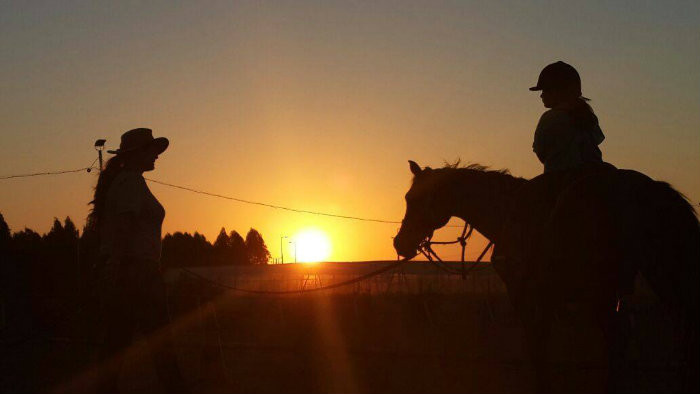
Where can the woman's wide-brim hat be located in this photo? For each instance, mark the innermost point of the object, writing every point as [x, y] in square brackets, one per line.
[138, 139]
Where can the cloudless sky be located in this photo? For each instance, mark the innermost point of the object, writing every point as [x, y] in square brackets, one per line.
[318, 105]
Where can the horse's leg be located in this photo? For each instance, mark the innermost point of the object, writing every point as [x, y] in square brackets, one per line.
[616, 328]
[536, 319]
[538, 334]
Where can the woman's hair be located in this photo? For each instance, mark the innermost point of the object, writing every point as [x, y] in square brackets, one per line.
[112, 168]
[582, 113]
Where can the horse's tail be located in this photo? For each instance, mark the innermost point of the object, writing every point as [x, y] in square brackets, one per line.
[673, 239]
[674, 270]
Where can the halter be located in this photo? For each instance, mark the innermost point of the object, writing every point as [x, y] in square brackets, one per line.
[425, 248]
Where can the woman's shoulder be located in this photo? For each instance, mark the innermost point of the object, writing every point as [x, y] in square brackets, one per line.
[127, 180]
[555, 115]
[129, 176]
[554, 118]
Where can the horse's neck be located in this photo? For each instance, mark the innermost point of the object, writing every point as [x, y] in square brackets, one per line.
[483, 199]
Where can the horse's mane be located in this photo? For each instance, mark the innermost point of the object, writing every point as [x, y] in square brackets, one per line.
[681, 199]
[474, 167]
[454, 169]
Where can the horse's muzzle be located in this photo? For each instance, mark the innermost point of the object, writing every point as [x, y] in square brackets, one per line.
[404, 250]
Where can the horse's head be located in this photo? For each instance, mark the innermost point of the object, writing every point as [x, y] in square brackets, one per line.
[426, 210]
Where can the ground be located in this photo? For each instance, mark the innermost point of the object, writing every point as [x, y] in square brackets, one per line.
[411, 333]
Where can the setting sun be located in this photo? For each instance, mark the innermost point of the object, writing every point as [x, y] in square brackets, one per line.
[312, 245]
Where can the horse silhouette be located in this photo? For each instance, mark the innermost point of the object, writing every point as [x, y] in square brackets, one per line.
[586, 248]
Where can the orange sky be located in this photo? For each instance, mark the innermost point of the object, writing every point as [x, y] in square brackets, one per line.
[319, 105]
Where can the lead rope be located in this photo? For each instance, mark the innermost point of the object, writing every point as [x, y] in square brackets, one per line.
[463, 241]
[426, 250]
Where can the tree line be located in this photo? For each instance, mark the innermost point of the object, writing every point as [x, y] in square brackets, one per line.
[64, 245]
[51, 284]
[44, 275]
[182, 249]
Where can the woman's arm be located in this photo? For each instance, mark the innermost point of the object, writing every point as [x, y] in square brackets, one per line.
[540, 144]
[124, 235]
[552, 135]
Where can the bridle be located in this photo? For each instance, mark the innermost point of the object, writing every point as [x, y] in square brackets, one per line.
[425, 248]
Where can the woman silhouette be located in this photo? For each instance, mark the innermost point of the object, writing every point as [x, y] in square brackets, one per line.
[566, 142]
[568, 134]
[129, 218]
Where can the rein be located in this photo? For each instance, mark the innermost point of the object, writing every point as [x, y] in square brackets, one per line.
[426, 249]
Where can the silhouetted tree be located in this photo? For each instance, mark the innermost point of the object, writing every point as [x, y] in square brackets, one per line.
[5, 236]
[70, 230]
[7, 266]
[202, 248]
[222, 249]
[54, 234]
[26, 249]
[222, 240]
[61, 235]
[57, 269]
[90, 275]
[238, 248]
[26, 241]
[257, 250]
[182, 249]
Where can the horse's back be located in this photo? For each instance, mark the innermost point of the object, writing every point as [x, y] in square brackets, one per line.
[584, 234]
[672, 238]
[620, 222]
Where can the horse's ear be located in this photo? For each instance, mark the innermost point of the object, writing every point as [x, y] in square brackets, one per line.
[415, 168]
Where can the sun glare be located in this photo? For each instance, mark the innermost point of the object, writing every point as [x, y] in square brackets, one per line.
[312, 246]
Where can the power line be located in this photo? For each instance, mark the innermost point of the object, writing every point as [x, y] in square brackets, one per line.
[268, 205]
[273, 205]
[47, 173]
[215, 195]
[244, 201]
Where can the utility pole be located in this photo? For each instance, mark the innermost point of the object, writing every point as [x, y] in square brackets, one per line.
[295, 250]
[282, 248]
[99, 147]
